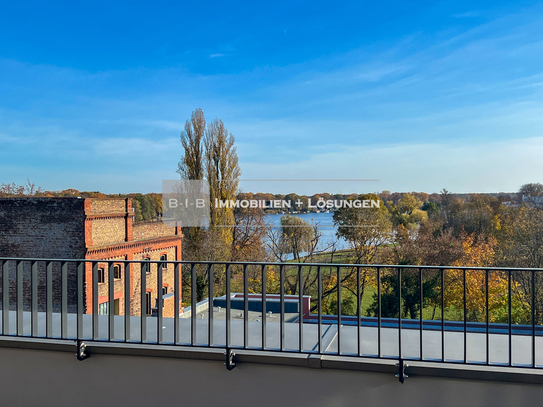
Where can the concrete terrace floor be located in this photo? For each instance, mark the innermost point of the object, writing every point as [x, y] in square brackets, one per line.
[431, 339]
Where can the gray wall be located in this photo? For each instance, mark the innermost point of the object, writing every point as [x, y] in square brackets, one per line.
[54, 378]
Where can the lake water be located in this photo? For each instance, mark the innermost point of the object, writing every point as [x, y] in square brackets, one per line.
[325, 223]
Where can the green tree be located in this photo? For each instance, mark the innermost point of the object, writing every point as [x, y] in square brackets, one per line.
[431, 208]
[410, 295]
[365, 229]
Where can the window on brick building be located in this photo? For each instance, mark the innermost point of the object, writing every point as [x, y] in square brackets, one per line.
[147, 265]
[149, 310]
[117, 272]
[164, 290]
[101, 275]
[164, 257]
[103, 308]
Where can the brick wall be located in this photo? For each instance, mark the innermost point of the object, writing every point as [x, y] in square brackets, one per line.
[152, 230]
[107, 206]
[108, 230]
[42, 228]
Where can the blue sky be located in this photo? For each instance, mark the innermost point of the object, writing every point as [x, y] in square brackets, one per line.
[419, 95]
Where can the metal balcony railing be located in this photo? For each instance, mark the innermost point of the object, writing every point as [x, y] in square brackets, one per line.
[465, 315]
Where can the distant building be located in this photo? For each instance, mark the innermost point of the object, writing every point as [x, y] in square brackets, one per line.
[97, 229]
[536, 201]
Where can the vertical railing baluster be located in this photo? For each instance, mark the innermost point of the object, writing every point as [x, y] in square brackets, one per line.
[127, 302]
[379, 312]
[228, 306]
[246, 307]
[95, 319]
[301, 309]
[442, 315]
[193, 304]
[176, 300]
[465, 318]
[159, 304]
[510, 322]
[5, 297]
[533, 319]
[358, 317]
[64, 300]
[282, 307]
[81, 267]
[319, 299]
[210, 307]
[111, 300]
[20, 303]
[264, 309]
[144, 264]
[399, 312]
[338, 271]
[487, 319]
[421, 305]
[34, 298]
[49, 300]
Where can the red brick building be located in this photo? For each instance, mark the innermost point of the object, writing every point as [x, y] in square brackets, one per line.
[97, 229]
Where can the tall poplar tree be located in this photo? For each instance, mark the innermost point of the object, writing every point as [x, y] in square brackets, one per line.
[210, 154]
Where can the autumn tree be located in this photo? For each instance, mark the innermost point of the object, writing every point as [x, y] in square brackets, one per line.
[222, 173]
[249, 233]
[407, 212]
[296, 236]
[191, 167]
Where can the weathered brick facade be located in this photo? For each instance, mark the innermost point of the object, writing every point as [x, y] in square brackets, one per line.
[97, 229]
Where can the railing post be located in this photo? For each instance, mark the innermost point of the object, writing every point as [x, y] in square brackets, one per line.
[400, 314]
[228, 307]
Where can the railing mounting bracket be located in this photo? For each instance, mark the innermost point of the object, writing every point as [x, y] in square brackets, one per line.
[82, 351]
[230, 359]
[401, 365]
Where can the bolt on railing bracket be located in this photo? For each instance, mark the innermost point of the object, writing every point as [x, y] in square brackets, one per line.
[230, 359]
[401, 365]
[82, 351]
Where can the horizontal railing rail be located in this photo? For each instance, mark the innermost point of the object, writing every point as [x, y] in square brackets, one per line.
[466, 315]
